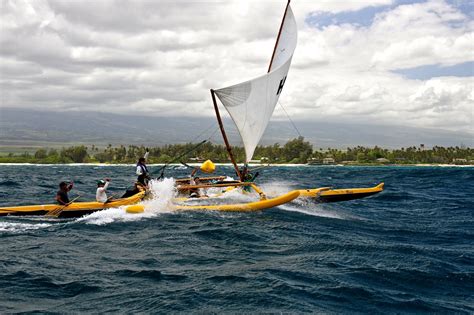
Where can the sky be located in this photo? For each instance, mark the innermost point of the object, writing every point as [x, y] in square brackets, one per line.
[384, 62]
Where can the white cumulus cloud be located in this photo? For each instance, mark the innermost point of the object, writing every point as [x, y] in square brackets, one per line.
[162, 57]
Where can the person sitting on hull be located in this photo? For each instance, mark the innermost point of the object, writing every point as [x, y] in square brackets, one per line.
[247, 177]
[135, 189]
[207, 167]
[142, 170]
[196, 192]
[101, 193]
[61, 196]
[191, 176]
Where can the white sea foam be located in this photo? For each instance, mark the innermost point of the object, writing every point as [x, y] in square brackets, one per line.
[162, 191]
[218, 195]
[301, 205]
[236, 195]
[15, 227]
[276, 188]
[313, 210]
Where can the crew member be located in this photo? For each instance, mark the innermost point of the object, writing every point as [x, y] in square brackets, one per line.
[196, 192]
[101, 193]
[247, 177]
[191, 176]
[135, 189]
[142, 170]
[61, 196]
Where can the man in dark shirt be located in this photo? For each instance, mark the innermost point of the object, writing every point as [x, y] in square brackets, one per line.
[61, 196]
[142, 170]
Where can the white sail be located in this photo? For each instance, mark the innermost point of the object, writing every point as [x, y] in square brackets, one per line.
[251, 103]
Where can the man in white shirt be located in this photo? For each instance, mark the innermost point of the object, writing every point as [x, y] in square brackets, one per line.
[101, 194]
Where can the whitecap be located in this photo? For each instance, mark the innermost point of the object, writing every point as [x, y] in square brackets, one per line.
[15, 227]
[162, 191]
[315, 211]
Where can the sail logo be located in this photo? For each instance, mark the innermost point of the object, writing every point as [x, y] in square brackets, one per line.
[280, 87]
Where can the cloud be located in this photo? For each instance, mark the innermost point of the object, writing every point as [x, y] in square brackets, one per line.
[355, 69]
[163, 57]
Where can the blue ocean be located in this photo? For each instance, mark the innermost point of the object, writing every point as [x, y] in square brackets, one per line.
[409, 249]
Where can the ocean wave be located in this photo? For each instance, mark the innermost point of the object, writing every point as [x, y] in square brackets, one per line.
[33, 285]
[9, 183]
[15, 227]
[148, 274]
[316, 211]
[405, 250]
[162, 192]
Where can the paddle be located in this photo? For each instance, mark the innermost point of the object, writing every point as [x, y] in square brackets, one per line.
[162, 169]
[186, 164]
[189, 166]
[56, 212]
[110, 198]
[258, 167]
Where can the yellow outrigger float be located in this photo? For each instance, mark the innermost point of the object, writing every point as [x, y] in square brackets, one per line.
[75, 209]
[318, 195]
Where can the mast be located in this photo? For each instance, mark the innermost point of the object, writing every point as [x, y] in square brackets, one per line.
[278, 37]
[224, 136]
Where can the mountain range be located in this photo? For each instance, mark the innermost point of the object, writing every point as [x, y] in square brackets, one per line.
[25, 127]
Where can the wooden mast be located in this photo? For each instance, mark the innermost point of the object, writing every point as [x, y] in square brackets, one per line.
[224, 136]
[278, 38]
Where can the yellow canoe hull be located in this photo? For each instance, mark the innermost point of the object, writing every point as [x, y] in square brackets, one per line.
[323, 194]
[73, 210]
[327, 194]
[241, 207]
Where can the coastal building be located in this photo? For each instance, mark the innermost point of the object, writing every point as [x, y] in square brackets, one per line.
[262, 160]
[349, 162]
[197, 159]
[460, 161]
[329, 160]
[314, 161]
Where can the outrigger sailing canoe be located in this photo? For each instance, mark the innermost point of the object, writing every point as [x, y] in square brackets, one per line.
[75, 209]
[250, 105]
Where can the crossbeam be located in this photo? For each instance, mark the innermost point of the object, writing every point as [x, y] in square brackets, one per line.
[186, 187]
[203, 179]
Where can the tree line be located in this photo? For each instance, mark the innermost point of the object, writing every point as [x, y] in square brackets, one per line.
[294, 151]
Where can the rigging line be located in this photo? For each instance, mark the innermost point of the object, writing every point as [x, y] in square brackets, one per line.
[202, 133]
[162, 169]
[289, 118]
[213, 134]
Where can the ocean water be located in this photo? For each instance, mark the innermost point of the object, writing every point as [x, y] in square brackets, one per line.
[409, 249]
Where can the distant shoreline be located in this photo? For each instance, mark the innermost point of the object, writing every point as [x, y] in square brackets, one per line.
[230, 165]
[295, 152]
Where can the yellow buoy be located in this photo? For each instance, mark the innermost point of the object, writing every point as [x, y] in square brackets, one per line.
[208, 167]
[135, 209]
